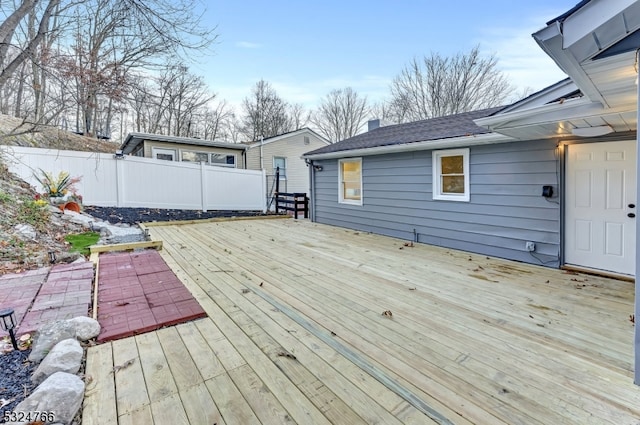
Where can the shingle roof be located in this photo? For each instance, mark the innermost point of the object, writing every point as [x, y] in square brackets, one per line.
[419, 131]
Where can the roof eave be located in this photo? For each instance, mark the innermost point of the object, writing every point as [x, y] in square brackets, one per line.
[134, 139]
[453, 142]
[577, 37]
[283, 136]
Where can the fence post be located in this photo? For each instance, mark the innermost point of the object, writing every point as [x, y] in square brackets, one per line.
[203, 187]
[277, 191]
[119, 182]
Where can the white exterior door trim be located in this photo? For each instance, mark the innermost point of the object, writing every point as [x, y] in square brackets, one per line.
[600, 193]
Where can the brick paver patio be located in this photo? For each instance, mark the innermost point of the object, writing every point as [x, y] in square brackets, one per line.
[47, 294]
[138, 293]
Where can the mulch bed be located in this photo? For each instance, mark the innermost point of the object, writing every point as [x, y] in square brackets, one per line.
[144, 215]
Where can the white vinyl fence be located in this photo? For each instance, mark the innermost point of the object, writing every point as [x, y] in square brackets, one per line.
[143, 182]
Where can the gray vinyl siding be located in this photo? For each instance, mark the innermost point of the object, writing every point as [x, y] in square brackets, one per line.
[506, 207]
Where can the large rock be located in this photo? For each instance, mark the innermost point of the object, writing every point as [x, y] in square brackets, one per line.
[86, 327]
[65, 356]
[61, 393]
[25, 232]
[48, 336]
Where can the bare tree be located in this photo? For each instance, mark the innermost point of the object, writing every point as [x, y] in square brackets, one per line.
[298, 116]
[216, 120]
[266, 114]
[100, 44]
[341, 114]
[437, 86]
[8, 28]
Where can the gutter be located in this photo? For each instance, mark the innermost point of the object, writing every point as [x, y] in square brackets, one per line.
[581, 108]
[454, 142]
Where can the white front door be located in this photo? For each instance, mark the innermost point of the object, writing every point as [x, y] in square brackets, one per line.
[601, 206]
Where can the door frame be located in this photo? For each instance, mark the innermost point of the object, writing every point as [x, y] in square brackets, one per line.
[564, 160]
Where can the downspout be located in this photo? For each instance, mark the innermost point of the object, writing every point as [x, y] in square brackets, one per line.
[312, 192]
[261, 156]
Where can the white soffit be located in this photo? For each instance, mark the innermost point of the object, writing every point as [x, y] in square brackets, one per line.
[590, 17]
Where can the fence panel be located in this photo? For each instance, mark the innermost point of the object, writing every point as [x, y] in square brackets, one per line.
[143, 182]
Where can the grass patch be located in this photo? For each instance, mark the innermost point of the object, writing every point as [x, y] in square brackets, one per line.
[80, 242]
[4, 197]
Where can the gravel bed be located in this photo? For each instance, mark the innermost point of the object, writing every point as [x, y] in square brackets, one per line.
[16, 384]
[144, 215]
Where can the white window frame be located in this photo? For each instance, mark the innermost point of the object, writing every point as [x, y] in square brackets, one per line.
[283, 172]
[219, 164]
[437, 175]
[183, 151]
[163, 151]
[341, 198]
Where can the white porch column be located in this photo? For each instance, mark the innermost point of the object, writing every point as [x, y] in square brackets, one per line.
[637, 298]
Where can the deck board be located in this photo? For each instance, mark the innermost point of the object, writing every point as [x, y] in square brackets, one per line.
[475, 339]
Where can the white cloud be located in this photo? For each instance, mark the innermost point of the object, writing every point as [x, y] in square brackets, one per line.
[248, 45]
[520, 57]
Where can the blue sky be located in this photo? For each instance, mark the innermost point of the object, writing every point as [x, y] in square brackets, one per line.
[306, 49]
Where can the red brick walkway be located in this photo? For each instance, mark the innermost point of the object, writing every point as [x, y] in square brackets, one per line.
[139, 293]
[45, 295]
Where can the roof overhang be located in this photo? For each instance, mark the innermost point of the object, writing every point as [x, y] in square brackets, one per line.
[560, 119]
[576, 42]
[595, 43]
[453, 142]
[285, 136]
[133, 140]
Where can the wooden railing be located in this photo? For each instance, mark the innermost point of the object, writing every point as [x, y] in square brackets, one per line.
[294, 202]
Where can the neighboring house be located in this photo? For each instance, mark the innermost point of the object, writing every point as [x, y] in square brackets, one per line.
[525, 182]
[173, 148]
[285, 151]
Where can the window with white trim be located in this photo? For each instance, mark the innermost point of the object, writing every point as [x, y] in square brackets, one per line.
[191, 156]
[281, 162]
[164, 154]
[451, 175]
[223, 160]
[350, 181]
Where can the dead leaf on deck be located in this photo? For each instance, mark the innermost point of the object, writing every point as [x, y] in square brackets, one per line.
[123, 366]
[412, 289]
[121, 303]
[409, 244]
[287, 355]
[387, 313]
[245, 291]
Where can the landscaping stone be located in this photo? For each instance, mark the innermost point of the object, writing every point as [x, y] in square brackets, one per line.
[61, 393]
[48, 336]
[25, 232]
[65, 356]
[86, 327]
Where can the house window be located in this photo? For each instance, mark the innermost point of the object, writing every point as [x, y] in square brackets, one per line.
[451, 175]
[350, 175]
[189, 156]
[279, 161]
[223, 160]
[164, 154]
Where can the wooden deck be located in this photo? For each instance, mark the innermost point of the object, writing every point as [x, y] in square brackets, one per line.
[296, 334]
